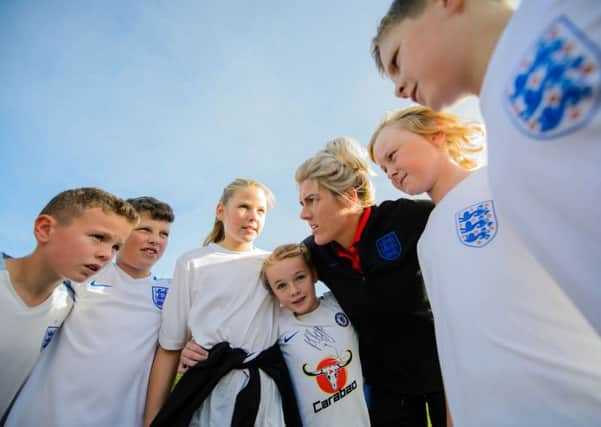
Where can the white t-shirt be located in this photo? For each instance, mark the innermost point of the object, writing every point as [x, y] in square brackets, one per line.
[322, 354]
[96, 372]
[541, 102]
[514, 350]
[24, 332]
[216, 296]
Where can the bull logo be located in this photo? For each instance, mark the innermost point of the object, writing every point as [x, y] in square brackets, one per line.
[330, 373]
[556, 88]
[477, 224]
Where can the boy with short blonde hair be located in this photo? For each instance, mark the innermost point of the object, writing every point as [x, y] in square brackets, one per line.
[538, 74]
[77, 233]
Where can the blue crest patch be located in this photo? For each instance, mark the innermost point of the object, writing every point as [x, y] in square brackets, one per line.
[341, 319]
[50, 332]
[159, 293]
[477, 224]
[556, 88]
[389, 246]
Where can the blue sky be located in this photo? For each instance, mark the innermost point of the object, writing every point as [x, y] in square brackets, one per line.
[175, 99]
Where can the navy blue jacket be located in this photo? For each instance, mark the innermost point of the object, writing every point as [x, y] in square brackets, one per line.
[387, 304]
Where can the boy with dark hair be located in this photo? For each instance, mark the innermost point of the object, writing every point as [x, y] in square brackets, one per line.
[96, 371]
[538, 74]
[77, 233]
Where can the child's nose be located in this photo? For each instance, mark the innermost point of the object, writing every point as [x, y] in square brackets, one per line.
[105, 252]
[400, 89]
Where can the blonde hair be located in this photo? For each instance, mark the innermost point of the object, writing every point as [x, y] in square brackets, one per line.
[71, 204]
[463, 139]
[217, 233]
[282, 252]
[339, 167]
[399, 10]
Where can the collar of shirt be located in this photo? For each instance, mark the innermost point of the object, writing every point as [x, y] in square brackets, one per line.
[351, 252]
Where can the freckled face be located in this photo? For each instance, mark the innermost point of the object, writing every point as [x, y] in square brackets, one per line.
[409, 160]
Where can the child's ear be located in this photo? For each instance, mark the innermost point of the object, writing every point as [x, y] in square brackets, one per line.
[43, 227]
[438, 139]
[219, 211]
[453, 6]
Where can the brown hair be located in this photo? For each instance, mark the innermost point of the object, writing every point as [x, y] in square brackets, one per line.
[463, 139]
[282, 252]
[217, 233]
[70, 204]
[156, 209]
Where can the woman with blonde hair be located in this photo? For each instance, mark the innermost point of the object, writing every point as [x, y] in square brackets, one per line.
[366, 255]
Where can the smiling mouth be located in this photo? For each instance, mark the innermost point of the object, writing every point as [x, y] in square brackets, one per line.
[150, 251]
[298, 301]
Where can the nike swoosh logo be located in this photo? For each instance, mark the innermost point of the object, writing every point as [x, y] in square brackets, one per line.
[95, 284]
[289, 337]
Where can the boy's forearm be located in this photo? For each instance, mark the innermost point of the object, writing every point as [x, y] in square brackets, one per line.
[159, 384]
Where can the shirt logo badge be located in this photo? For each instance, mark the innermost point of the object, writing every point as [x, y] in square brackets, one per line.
[287, 338]
[477, 224]
[159, 293]
[330, 372]
[557, 86]
[50, 332]
[389, 246]
[95, 284]
[341, 319]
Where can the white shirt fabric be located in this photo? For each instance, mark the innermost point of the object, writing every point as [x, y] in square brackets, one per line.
[96, 372]
[216, 296]
[325, 344]
[541, 102]
[514, 350]
[24, 332]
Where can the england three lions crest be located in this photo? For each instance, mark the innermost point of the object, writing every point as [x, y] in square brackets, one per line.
[477, 224]
[389, 247]
[159, 293]
[556, 88]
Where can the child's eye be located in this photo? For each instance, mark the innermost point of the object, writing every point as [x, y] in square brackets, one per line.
[280, 286]
[164, 234]
[300, 277]
[117, 247]
[98, 237]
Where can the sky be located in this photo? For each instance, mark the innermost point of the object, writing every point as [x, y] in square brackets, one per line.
[175, 99]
